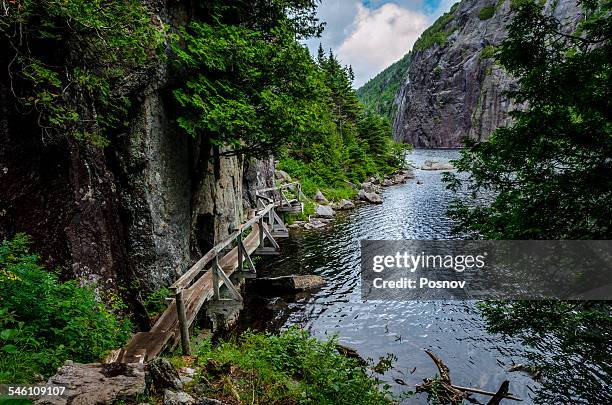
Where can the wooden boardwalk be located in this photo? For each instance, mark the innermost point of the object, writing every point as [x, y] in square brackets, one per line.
[200, 285]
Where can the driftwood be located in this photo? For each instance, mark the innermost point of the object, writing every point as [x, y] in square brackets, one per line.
[447, 393]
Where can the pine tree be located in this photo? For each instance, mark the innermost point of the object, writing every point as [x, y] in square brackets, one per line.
[321, 56]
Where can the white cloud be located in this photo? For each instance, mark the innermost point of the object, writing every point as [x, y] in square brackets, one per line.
[379, 37]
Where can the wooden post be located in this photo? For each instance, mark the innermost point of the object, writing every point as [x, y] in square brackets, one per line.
[182, 318]
[215, 278]
[239, 247]
[261, 232]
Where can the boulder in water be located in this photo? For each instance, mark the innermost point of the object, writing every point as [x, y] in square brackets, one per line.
[434, 165]
[287, 284]
[324, 211]
[369, 197]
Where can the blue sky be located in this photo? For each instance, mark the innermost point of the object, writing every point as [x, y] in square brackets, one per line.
[372, 34]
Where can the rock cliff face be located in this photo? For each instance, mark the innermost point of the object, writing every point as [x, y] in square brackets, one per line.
[132, 216]
[455, 89]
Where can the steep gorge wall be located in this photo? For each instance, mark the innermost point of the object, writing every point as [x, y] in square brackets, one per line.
[456, 89]
[132, 216]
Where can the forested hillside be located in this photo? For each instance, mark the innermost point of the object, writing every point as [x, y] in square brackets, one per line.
[378, 94]
[345, 143]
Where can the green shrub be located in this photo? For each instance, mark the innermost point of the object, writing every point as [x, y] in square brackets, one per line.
[289, 368]
[155, 303]
[436, 34]
[488, 52]
[43, 321]
[95, 44]
[486, 12]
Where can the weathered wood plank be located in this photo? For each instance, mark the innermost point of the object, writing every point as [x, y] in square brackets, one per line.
[192, 273]
[165, 331]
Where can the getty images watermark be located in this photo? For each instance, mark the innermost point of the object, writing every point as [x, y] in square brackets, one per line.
[406, 270]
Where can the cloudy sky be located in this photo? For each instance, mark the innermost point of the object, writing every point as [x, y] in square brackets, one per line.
[372, 34]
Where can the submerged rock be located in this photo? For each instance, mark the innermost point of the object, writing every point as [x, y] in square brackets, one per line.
[288, 284]
[315, 224]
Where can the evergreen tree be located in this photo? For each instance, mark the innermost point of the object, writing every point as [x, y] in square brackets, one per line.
[550, 176]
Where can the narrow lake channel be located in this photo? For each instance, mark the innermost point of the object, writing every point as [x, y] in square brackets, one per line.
[453, 330]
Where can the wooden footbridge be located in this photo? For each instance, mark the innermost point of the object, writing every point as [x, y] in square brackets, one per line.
[212, 280]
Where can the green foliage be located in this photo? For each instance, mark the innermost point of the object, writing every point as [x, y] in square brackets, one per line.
[437, 33]
[248, 85]
[486, 12]
[289, 368]
[345, 145]
[68, 58]
[549, 176]
[44, 321]
[576, 337]
[550, 172]
[243, 89]
[155, 303]
[378, 94]
[488, 52]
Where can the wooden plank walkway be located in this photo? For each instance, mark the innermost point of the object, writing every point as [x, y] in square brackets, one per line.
[165, 333]
[198, 285]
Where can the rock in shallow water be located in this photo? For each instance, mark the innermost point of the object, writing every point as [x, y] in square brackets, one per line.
[344, 204]
[369, 197]
[324, 211]
[433, 165]
[288, 284]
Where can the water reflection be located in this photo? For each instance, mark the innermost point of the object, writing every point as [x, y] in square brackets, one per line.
[451, 329]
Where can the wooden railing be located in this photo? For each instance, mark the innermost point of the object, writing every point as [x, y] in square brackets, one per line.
[284, 203]
[218, 275]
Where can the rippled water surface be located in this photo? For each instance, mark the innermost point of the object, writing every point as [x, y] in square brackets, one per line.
[451, 329]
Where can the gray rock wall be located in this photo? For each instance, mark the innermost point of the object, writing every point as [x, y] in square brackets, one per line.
[131, 217]
[452, 91]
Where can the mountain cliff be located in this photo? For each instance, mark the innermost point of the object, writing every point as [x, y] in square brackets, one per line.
[453, 87]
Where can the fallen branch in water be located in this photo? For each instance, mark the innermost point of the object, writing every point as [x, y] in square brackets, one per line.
[447, 393]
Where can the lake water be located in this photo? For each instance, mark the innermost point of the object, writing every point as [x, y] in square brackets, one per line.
[453, 330]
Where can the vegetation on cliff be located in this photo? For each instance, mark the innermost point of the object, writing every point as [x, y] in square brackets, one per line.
[251, 86]
[378, 94]
[550, 175]
[44, 321]
[67, 61]
[437, 33]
